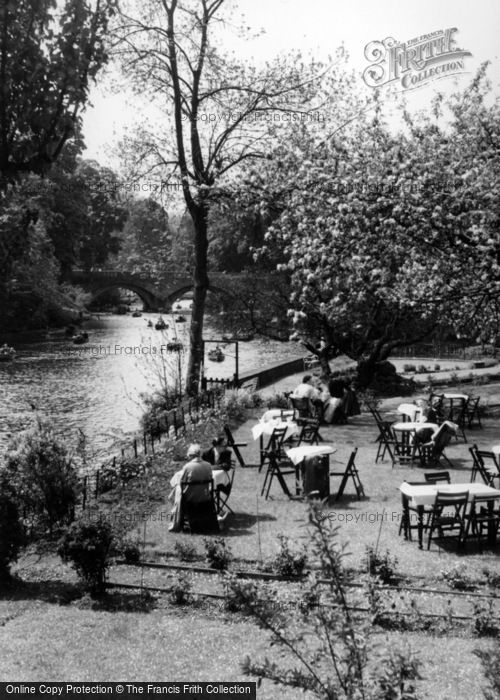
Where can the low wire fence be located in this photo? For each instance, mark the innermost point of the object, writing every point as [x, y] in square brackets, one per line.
[172, 426]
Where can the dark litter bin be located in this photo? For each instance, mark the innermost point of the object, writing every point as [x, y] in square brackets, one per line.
[316, 476]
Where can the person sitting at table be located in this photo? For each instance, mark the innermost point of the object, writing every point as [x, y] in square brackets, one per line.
[332, 407]
[307, 390]
[219, 456]
[427, 415]
[196, 469]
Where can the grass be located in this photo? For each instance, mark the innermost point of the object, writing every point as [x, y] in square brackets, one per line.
[43, 632]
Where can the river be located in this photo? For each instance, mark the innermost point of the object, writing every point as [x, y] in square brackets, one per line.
[96, 387]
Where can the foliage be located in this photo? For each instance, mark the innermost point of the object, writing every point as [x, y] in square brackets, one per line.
[86, 545]
[207, 101]
[49, 56]
[382, 565]
[485, 623]
[235, 402]
[11, 530]
[490, 660]
[131, 550]
[218, 553]
[42, 475]
[458, 578]
[185, 551]
[334, 655]
[408, 222]
[180, 590]
[287, 562]
[277, 400]
[409, 368]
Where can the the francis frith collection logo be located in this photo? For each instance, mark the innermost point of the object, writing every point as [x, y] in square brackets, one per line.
[416, 62]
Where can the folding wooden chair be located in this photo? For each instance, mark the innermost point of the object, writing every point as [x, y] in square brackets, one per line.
[223, 492]
[483, 519]
[385, 441]
[472, 412]
[405, 524]
[304, 410]
[485, 464]
[309, 434]
[277, 468]
[274, 446]
[437, 477]
[235, 446]
[448, 516]
[198, 506]
[350, 472]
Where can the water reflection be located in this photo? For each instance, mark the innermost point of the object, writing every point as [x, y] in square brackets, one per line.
[96, 387]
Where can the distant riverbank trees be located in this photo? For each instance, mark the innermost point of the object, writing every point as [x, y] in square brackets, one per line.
[49, 54]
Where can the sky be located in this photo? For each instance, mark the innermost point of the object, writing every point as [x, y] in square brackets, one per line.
[319, 27]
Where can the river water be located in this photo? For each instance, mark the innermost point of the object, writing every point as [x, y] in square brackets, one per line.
[95, 388]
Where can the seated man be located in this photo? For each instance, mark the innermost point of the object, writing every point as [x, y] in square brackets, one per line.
[306, 390]
[194, 470]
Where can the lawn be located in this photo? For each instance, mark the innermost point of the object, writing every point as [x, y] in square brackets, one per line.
[46, 634]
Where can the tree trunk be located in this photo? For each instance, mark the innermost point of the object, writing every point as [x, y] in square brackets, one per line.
[200, 288]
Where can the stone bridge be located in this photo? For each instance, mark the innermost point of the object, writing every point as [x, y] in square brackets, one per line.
[155, 295]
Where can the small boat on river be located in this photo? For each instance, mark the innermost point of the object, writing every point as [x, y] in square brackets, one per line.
[7, 353]
[160, 325]
[180, 319]
[216, 355]
[136, 314]
[150, 324]
[81, 338]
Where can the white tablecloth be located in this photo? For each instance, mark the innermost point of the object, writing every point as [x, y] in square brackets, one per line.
[266, 428]
[280, 413]
[425, 494]
[410, 410]
[496, 449]
[298, 454]
[464, 397]
[414, 425]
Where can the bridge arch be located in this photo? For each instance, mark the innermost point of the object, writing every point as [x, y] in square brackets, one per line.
[149, 301]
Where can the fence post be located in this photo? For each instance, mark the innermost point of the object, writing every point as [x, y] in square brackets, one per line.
[84, 492]
[175, 421]
[135, 448]
[97, 483]
[145, 441]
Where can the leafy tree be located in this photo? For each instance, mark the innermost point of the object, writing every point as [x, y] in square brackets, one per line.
[48, 56]
[390, 237]
[145, 239]
[220, 114]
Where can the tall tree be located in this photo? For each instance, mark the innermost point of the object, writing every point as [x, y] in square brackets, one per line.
[48, 56]
[391, 237]
[221, 113]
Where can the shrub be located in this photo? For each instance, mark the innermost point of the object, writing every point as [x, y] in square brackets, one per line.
[185, 551]
[86, 546]
[458, 578]
[11, 531]
[180, 591]
[421, 369]
[384, 566]
[409, 368]
[277, 400]
[437, 368]
[218, 554]
[235, 402]
[42, 475]
[484, 620]
[288, 563]
[131, 551]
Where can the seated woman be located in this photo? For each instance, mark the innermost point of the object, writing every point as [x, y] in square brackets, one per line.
[427, 415]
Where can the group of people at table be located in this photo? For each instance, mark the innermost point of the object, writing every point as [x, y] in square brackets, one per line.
[334, 400]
